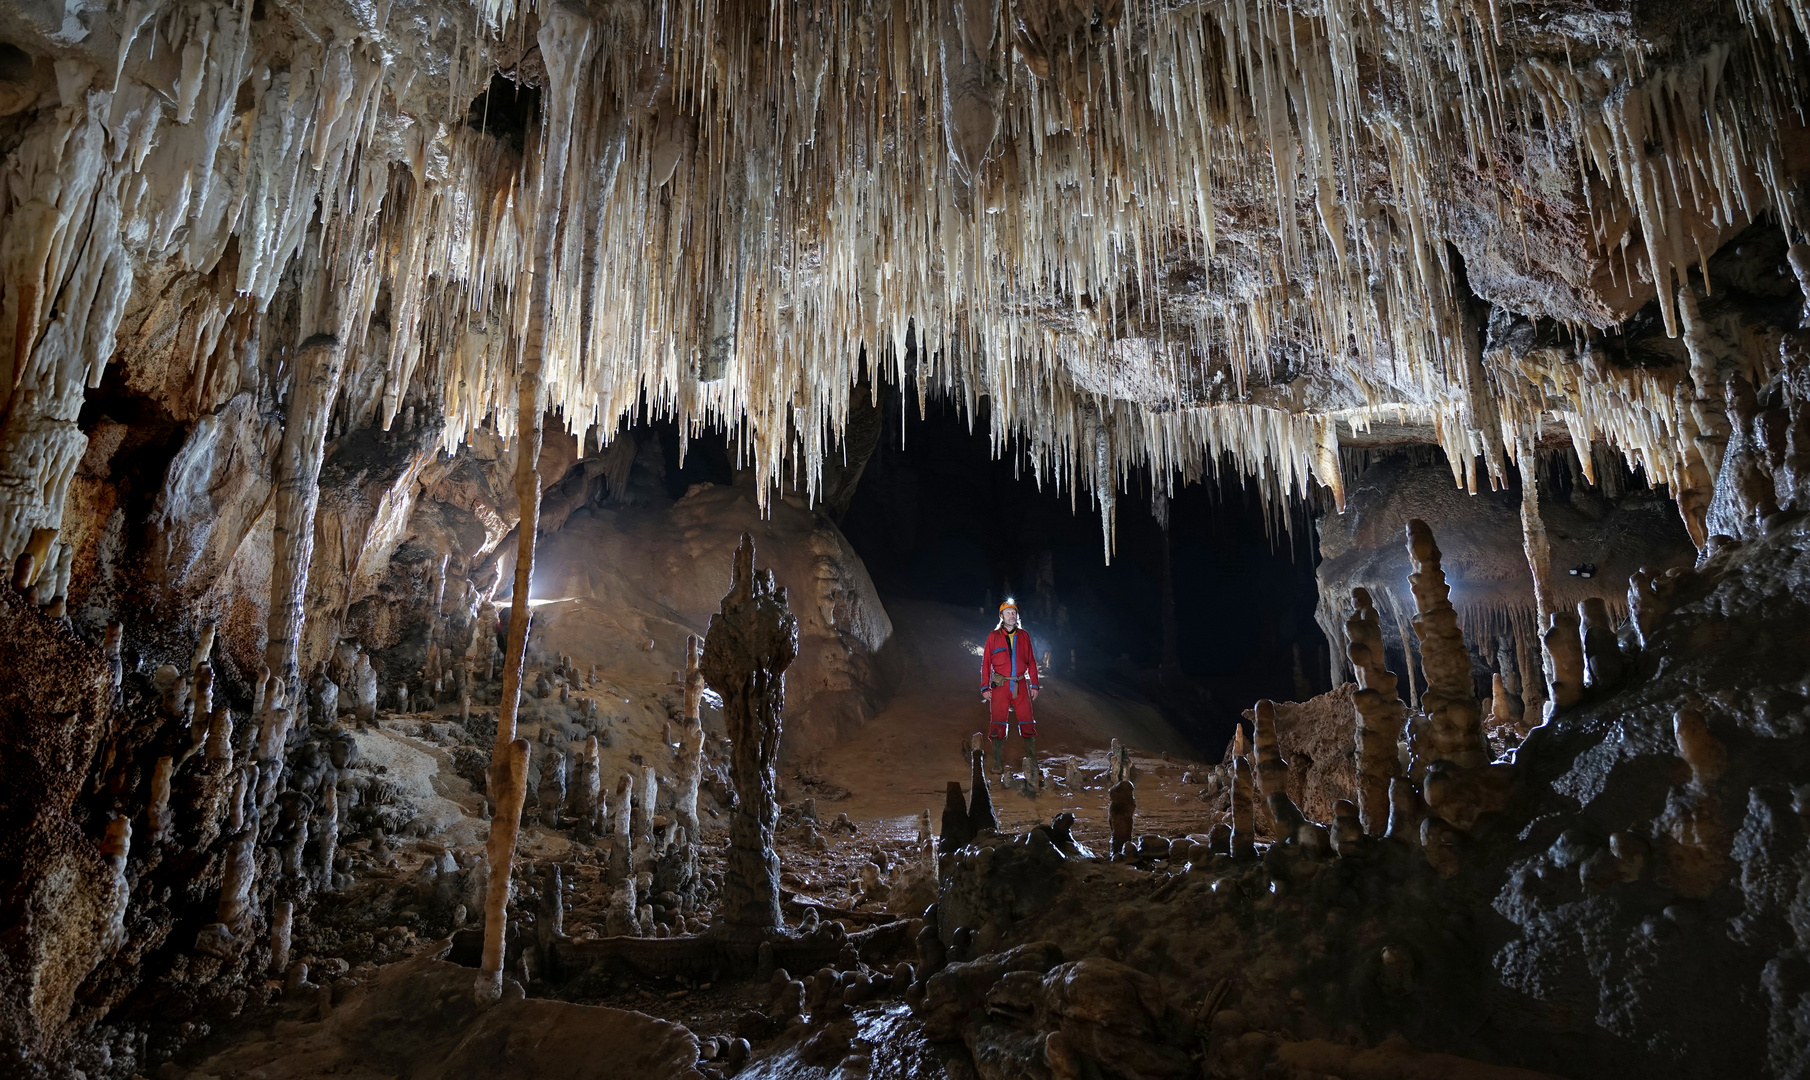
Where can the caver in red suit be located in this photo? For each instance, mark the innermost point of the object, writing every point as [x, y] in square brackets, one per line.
[1008, 673]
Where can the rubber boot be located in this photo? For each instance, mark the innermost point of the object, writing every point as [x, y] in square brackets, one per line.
[999, 756]
[1030, 749]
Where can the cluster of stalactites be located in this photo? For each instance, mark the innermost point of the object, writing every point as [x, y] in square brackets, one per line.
[753, 205]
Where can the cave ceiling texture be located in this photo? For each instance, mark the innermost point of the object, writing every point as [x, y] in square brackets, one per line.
[430, 646]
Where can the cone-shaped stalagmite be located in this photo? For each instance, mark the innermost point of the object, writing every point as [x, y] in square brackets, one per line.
[980, 798]
[751, 642]
[1454, 719]
[1452, 758]
[956, 830]
[1380, 714]
[1244, 823]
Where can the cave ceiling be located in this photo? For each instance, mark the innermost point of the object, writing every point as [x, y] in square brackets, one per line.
[1162, 235]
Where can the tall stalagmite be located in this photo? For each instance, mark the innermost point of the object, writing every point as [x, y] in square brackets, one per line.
[751, 642]
[1454, 730]
[1380, 714]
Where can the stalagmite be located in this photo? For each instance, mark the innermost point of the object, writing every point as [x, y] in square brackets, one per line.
[1603, 663]
[645, 794]
[751, 642]
[1702, 751]
[1534, 542]
[688, 760]
[118, 892]
[1694, 840]
[282, 917]
[956, 829]
[508, 789]
[364, 690]
[1505, 708]
[329, 832]
[1347, 830]
[552, 790]
[620, 918]
[318, 363]
[1565, 655]
[1650, 600]
[587, 786]
[1244, 825]
[1121, 810]
[110, 647]
[980, 798]
[1272, 771]
[1404, 811]
[1454, 730]
[157, 815]
[1380, 715]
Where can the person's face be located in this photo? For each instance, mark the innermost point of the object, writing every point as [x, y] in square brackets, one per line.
[1010, 617]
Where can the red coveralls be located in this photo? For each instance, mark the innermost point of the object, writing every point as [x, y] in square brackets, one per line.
[1009, 661]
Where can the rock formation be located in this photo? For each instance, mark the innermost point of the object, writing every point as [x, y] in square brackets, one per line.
[371, 371]
[751, 642]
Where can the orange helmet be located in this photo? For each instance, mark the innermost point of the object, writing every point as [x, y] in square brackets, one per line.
[1013, 604]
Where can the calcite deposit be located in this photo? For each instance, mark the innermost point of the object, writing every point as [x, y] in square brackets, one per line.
[438, 635]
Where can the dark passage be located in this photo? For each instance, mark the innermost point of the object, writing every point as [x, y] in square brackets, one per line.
[936, 517]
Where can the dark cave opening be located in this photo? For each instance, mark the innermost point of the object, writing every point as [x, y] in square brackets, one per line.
[506, 110]
[937, 517]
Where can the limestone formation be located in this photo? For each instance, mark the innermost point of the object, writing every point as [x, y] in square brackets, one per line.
[1650, 595]
[508, 790]
[956, 829]
[1380, 714]
[281, 921]
[319, 361]
[1506, 708]
[1404, 810]
[323, 323]
[1347, 829]
[1565, 653]
[1454, 729]
[1271, 771]
[1244, 824]
[751, 642]
[1603, 663]
[980, 798]
[1121, 811]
